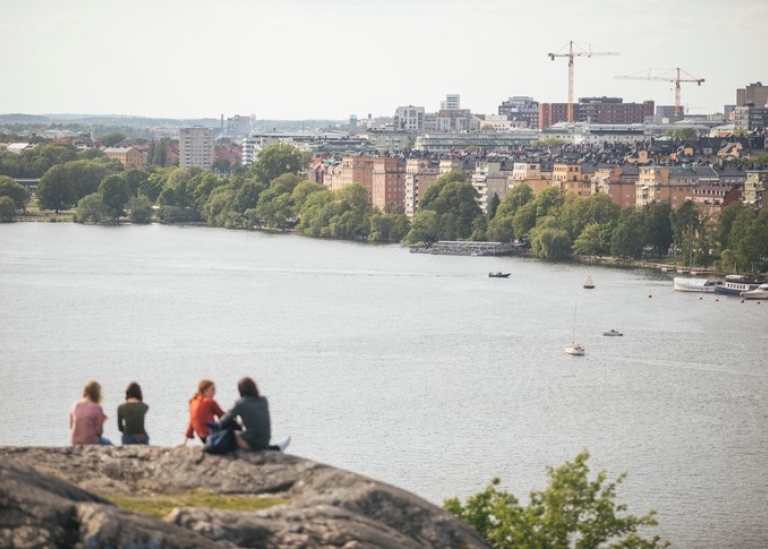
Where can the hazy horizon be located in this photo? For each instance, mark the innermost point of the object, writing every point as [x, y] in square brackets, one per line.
[301, 60]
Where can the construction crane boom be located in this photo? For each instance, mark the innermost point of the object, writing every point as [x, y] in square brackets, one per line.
[570, 54]
[677, 79]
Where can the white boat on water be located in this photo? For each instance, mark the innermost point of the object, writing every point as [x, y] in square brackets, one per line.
[683, 284]
[577, 349]
[736, 284]
[612, 332]
[761, 292]
[588, 284]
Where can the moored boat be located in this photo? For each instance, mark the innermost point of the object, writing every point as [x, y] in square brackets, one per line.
[577, 349]
[683, 284]
[736, 284]
[761, 292]
[612, 332]
[588, 284]
[499, 274]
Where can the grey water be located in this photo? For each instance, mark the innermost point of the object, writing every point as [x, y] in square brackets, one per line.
[413, 369]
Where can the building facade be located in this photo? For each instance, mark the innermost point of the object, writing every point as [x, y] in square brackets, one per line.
[196, 148]
[409, 119]
[597, 110]
[521, 109]
[755, 94]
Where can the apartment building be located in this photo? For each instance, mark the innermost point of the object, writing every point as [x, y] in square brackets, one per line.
[452, 102]
[489, 179]
[522, 109]
[755, 186]
[455, 121]
[596, 110]
[573, 178]
[130, 157]
[750, 118]
[388, 183]
[357, 169]
[196, 148]
[755, 94]
[409, 119]
[420, 175]
[618, 182]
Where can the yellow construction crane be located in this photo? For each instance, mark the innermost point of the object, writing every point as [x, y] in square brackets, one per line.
[667, 77]
[570, 54]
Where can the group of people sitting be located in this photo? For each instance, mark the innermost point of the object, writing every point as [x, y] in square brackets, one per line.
[249, 417]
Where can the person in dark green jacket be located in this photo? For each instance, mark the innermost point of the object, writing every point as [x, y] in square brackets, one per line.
[130, 416]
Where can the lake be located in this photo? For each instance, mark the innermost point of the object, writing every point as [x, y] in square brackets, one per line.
[413, 369]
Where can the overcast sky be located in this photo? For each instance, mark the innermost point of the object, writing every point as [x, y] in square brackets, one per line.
[304, 59]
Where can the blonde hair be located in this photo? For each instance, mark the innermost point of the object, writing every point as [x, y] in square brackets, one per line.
[202, 387]
[92, 391]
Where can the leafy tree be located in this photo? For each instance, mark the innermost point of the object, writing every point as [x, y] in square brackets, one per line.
[115, 193]
[17, 193]
[91, 153]
[550, 242]
[301, 192]
[572, 512]
[590, 241]
[524, 219]
[277, 160]
[135, 178]
[454, 200]
[140, 210]
[657, 220]
[85, 176]
[7, 210]
[493, 205]
[627, 239]
[686, 225]
[424, 229]
[274, 209]
[549, 202]
[91, 208]
[111, 139]
[682, 133]
[55, 190]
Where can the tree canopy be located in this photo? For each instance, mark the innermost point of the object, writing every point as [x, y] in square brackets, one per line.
[574, 511]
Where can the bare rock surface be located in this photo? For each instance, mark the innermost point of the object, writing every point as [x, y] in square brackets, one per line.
[54, 497]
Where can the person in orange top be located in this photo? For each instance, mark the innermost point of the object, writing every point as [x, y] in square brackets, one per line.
[202, 409]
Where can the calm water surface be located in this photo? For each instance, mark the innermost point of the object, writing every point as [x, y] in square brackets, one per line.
[412, 369]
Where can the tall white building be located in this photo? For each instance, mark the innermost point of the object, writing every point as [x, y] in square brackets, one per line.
[196, 148]
[452, 102]
[410, 119]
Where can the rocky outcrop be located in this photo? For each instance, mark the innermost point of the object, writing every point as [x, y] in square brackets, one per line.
[54, 497]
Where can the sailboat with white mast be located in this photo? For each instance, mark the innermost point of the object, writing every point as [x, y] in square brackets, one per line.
[575, 349]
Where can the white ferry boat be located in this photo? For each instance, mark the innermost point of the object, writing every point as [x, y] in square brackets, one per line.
[736, 284]
[683, 284]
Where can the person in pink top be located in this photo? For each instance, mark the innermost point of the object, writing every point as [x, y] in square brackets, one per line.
[86, 418]
[202, 409]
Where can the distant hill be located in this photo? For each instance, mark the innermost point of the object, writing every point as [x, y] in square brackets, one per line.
[116, 121]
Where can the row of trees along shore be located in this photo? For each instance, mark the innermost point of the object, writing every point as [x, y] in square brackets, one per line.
[273, 194]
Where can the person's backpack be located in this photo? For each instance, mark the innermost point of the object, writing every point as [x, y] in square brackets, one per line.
[219, 441]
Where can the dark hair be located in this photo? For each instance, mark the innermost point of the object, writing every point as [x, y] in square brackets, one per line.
[247, 387]
[133, 391]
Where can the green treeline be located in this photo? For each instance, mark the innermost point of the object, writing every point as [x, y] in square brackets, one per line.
[273, 194]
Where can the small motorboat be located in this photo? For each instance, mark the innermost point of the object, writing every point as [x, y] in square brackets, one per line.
[499, 274]
[612, 332]
[588, 284]
[577, 349]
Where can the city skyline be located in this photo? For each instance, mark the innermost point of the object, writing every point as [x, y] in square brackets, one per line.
[308, 60]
